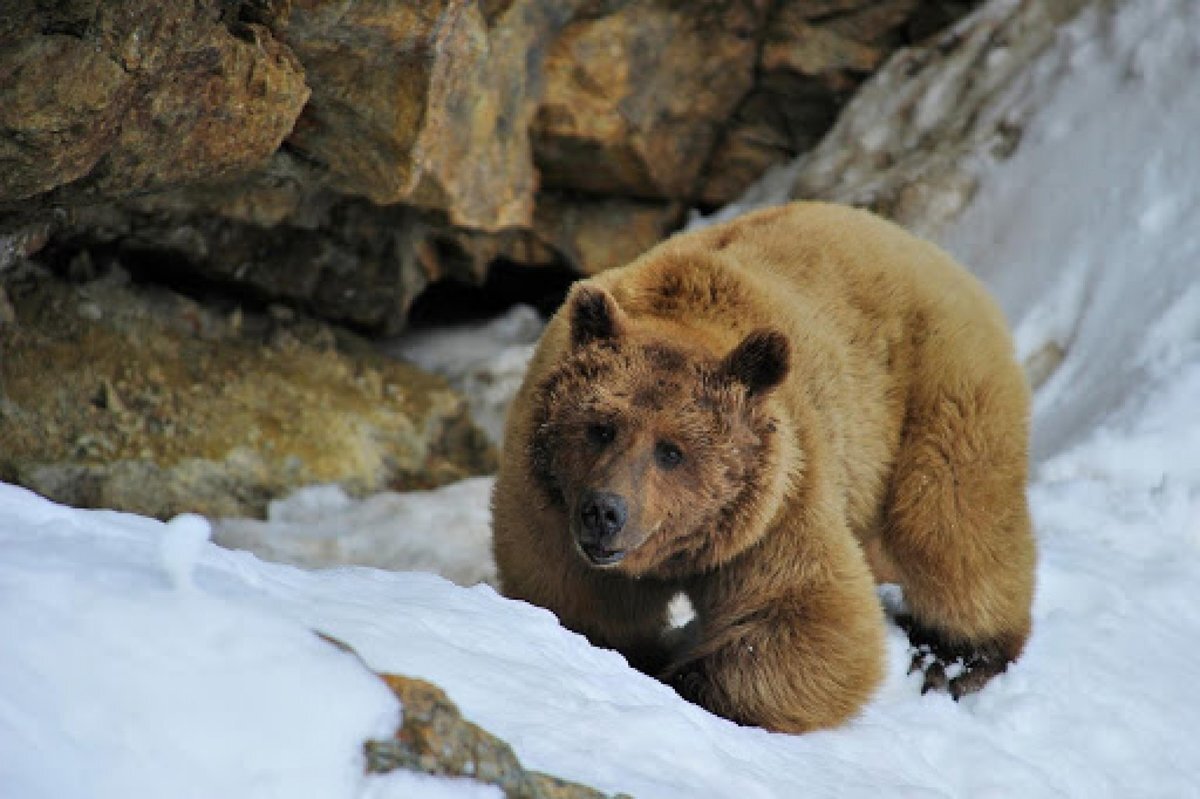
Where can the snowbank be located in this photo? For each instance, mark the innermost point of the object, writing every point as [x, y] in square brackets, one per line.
[446, 530]
[1090, 234]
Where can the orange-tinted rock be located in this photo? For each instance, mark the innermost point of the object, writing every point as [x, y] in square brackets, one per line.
[636, 98]
[594, 234]
[108, 99]
[426, 103]
[814, 55]
[434, 738]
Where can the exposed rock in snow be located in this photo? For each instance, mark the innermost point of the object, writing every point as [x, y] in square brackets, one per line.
[917, 137]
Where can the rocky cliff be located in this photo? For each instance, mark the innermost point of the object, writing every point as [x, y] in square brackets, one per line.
[341, 155]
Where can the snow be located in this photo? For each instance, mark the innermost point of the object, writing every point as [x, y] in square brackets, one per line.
[118, 683]
[1098, 213]
[117, 679]
[485, 361]
[447, 530]
[180, 546]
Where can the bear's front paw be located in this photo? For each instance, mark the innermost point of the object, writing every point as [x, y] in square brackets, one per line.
[957, 669]
[689, 681]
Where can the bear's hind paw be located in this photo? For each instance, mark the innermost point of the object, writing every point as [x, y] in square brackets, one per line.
[958, 676]
[957, 669]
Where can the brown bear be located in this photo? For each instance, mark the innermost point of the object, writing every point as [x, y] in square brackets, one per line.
[769, 415]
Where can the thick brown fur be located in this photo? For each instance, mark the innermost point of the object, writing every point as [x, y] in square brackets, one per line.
[846, 407]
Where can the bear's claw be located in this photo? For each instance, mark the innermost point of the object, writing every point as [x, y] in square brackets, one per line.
[688, 681]
[959, 670]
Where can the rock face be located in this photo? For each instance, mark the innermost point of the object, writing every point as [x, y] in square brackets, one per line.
[427, 103]
[112, 396]
[912, 142]
[813, 56]
[339, 158]
[111, 98]
[636, 98]
[341, 155]
[436, 739]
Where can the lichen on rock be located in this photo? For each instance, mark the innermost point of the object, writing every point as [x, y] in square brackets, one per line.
[112, 395]
[108, 99]
[434, 738]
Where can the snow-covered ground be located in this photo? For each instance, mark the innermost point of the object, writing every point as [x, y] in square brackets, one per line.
[140, 660]
[447, 530]
[484, 361]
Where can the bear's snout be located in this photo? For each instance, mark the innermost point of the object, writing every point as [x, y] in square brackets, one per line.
[602, 516]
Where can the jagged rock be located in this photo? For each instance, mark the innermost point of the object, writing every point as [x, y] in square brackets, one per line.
[436, 739]
[343, 260]
[596, 233]
[636, 96]
[427, 103]
[814, 55]
[105, 99]
[913, 141]
[141, 400]
[150, 132]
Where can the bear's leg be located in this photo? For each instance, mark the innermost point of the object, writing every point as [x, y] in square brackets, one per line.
[631, 617]
[614, 612]
[958, 529]
[538, 563]
[786, 646]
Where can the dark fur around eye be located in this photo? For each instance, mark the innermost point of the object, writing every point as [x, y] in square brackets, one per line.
[667, 455]
[601, 434]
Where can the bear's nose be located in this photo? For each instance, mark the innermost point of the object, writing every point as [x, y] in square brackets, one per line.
[602, 515]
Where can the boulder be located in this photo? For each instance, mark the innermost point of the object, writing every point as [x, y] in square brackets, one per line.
[637, 95]
[427, 103]
[814, 55]
[138, 399]
[341, 156]
[106, 99]
[592, 234]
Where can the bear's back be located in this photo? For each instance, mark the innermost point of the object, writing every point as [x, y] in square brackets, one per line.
[845, 265]
[868, 308]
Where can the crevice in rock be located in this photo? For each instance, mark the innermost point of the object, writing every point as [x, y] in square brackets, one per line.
[82, 262]
[507, 284]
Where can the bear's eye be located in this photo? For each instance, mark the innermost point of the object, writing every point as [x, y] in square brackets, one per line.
[667, 455]
[601, 434]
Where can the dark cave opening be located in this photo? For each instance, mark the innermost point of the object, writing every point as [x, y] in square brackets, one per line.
[507, 284]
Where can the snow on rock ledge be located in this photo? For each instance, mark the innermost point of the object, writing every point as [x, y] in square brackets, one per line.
[446, 530]
[913, 142]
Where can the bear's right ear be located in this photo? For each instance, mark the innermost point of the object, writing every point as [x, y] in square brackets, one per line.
[594, 315]
[760, 362]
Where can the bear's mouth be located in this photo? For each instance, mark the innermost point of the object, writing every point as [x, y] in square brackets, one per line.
[599, 555]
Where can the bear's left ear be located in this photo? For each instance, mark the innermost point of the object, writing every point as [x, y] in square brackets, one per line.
[760, 362]
[594, 315]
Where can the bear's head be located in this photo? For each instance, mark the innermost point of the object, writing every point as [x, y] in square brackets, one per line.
[663, 456]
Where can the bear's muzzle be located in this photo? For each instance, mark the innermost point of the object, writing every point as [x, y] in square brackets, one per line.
[601, 518]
